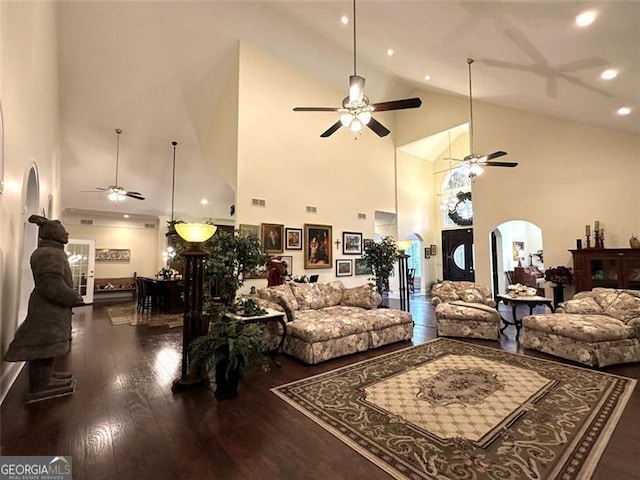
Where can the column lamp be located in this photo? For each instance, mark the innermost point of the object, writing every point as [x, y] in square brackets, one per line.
[403, 273]
[194, 324]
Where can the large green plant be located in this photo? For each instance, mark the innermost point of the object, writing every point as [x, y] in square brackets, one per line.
[381, 257]
[236, 344]
[230, 258]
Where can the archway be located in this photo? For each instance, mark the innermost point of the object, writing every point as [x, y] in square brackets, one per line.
[516, 252]
[31, 206]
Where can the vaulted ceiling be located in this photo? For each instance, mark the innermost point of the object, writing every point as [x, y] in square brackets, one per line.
[156, 70]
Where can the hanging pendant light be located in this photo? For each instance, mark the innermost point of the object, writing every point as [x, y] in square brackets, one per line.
[171, 231]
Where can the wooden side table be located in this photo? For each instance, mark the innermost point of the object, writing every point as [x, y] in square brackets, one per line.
[530, 301]
[270, 317]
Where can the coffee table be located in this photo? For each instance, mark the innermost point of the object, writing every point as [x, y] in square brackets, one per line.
[514, 301]
[270, 316]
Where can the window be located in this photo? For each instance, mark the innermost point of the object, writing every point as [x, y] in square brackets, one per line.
[456, 180]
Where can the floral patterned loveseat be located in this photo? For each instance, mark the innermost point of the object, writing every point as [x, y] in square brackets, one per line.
[598, 328]
[328, 320]
[465, 309]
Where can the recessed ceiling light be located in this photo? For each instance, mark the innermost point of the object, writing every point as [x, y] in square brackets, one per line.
[204, 201]
[427, 78]
[624, 111]
[390, 51]
[609, 74]
[344, 20]
[126, 215]
[586, 18]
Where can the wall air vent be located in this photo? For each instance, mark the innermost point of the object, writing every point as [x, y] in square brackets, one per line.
[149, 225]
[312, 209]
[362, 216]
[258, 202]
[84, 221]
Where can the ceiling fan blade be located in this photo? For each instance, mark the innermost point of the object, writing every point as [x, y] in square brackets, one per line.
[316, 109]
[331, 130]
[135, 195]
[102, 189]
[356, 88]
[499, 164]
[378, 128]
[497, 154]
[398, 104]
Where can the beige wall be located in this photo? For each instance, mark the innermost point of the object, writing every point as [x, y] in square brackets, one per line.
[569, 174]
[283, 160]
[29, 99]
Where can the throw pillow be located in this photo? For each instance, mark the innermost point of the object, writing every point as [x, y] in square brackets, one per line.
[363, 296]
[332, 292]
[625, 307]
[584, 305]
[308, 296]
[283, 296]
[471, 295]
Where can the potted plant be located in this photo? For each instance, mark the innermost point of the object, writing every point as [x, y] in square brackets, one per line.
[231, 347]
[381, 257]
[230, 258]
[561, 276]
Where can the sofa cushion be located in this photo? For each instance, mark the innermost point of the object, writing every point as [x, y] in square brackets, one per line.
[282, 295]
[332, 292]
[471, 295]
[582, 327]
[584, 304]
[625, 307]
[308, 296]
[363, 296]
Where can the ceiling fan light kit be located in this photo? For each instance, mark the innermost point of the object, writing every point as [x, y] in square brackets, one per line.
[356, 109]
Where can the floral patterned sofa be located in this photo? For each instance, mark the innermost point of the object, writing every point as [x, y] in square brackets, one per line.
[328, 320]
[598, 328]
[465, 309]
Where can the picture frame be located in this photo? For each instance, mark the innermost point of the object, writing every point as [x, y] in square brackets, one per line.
[518, 250]
[317, 246]
[293, 238]
[344, 268]
[113, 255]
[351, 243]
[361, 267]
[272, 237]
[289, 260]
[249, 230]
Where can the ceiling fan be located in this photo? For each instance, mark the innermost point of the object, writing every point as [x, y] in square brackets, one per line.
[356, 109]
[115, 192]
[476, 161]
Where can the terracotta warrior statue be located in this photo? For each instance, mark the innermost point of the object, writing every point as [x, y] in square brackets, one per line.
[46, 332]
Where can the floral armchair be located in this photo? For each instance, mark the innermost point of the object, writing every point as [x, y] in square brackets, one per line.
[465, 309]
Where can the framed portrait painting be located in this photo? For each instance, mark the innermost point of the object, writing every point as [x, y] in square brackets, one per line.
[317, 246]
[518, 250]
[249, 231]
[344, 268]
[272, 237]
[293, 239]
[351, 243]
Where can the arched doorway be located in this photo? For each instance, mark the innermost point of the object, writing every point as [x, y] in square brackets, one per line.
[30, 239]
[516, 255]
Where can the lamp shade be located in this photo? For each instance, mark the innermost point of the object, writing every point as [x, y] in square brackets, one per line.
[195, 232]
[403, 245]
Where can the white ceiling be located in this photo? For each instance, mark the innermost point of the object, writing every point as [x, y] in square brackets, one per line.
[156, 69]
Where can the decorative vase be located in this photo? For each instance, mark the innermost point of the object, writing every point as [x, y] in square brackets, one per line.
[634, 242]
[226, 382]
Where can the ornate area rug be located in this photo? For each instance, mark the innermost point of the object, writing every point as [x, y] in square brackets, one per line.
[453, 410]
[129, 315]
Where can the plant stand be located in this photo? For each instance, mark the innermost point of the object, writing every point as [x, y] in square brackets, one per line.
[226, 382]
[558, 295]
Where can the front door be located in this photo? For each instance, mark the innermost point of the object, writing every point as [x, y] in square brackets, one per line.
[82, 259]
[457, 255]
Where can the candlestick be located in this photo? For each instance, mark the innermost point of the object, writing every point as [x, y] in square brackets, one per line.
[588, 242]
[596, 225]
[587, 230]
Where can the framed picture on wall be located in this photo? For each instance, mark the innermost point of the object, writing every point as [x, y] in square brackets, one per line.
[317, 246]
[293, 238]
[361, 267]
[351, 243]
[272, 237]
[249, 231]
[289, 261]
[344, 268]
[518, 250]
[113, 255]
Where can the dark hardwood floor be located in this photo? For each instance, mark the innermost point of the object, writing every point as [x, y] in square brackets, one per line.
[124, 422]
